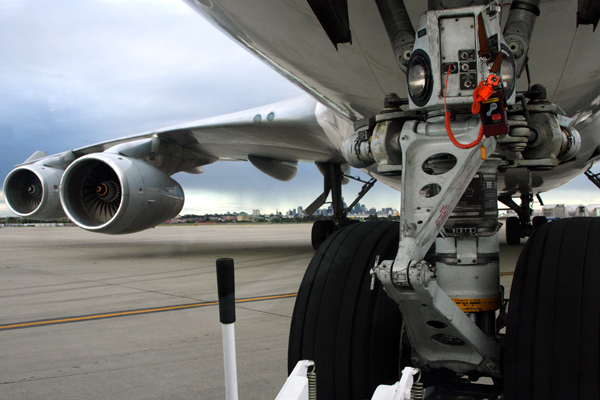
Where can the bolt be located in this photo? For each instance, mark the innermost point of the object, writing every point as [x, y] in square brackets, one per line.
[392, 100]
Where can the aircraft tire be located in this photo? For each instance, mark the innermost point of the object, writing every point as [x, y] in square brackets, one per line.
[513, 231]
[321, 230]
[351, 332]
[553, 330]
[539, 221]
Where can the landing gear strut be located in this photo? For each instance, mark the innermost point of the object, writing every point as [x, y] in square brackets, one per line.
[518, 227]
[523, 225]
[333, 180]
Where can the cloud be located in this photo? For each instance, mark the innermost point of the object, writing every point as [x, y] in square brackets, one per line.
[4, 210]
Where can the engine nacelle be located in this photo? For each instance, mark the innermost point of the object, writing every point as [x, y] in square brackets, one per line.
[113, 194]
[32, 191]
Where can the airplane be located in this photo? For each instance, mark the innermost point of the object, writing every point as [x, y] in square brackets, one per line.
[458, 104]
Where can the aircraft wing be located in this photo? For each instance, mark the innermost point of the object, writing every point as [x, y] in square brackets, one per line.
[97, 183]
[285, 131]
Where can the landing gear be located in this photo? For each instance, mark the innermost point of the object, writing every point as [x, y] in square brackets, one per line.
[321, 230]
[350, 331]
[445, 275]
[513, 231]
[538, 221]
[333, 180]
[553, 330]
[521, 226]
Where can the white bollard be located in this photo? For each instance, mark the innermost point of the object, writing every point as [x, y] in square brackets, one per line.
[229, 361]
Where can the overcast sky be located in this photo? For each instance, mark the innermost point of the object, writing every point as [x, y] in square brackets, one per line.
[77, 72]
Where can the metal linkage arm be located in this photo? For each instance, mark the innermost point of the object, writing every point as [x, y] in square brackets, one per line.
[428, 197]
[435, 174]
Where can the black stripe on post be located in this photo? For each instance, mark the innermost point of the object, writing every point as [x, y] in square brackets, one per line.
[226, 289]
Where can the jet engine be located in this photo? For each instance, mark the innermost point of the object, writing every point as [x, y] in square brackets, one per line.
[113, 194]
[31, 191]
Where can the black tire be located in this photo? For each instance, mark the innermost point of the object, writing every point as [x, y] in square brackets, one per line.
[320, 231]
[347, 222]
[351, 332]
[553, 327]
[539, 221]
[513, 231]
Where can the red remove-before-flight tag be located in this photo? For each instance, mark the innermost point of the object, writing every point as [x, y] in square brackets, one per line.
[493, 115]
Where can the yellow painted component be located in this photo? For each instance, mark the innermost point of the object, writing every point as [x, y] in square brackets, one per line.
[491, 100]
[102, 189]
[478, 305]
[483, 153]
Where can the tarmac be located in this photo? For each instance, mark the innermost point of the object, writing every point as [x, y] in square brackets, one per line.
[89, 316]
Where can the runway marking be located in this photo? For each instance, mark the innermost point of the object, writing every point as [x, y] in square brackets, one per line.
[58, 321]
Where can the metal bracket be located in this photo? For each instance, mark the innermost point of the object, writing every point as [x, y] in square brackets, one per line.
[441, 334]
[428, 200]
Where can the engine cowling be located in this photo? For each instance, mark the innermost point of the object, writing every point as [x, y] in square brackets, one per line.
[113, 194]
[32, 191]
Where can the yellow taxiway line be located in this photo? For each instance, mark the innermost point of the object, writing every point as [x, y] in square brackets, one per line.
[137, 312]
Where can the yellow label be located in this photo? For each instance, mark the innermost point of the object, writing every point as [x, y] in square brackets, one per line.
[491, 100]
[478, 305]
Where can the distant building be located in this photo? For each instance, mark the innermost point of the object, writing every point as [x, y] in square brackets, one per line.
[243, 217]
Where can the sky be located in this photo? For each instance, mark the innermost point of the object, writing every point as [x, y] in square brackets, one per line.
[78, 72]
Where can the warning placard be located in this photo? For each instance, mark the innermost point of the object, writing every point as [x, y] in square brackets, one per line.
[478, 305]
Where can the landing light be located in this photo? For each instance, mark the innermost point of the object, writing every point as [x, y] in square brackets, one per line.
[508, 70]
[419, 78]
